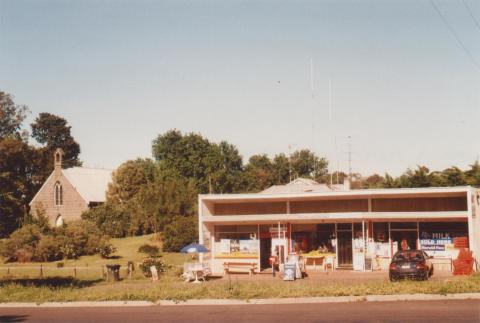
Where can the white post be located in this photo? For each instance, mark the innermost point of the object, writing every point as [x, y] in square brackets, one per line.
[390, 240]
[364, 243]
[418, 234]
[259, 259]
[471, 232]
[200, 227]
[336, 245]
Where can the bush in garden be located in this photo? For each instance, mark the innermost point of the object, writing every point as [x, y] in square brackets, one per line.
[150, 250]
[113, 220]
[48, 249]
[153, 261]
[106, 249]
[22, 244]
[79, 239]
[179, 233]
[34, 243]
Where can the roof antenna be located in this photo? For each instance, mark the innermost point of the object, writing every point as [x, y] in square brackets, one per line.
[312, 87]
[330, 119]
[350, 157]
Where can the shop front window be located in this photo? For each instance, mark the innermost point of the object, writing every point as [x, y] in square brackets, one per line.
[443, 239]
[236, 242]
[313, 238]
[380, 246]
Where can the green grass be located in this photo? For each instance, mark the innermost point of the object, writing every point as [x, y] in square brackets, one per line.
[90, 267]
[171, 288]
[24, 285]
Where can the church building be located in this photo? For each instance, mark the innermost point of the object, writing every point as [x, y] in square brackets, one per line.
[67, 193]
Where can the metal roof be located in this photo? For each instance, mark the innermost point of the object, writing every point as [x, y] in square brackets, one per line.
[90, 183]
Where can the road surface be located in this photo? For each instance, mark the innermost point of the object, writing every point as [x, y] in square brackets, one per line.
[425, 311]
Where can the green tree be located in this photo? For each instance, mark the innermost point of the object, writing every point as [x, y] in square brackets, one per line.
[419, 177]
[182, 231]
[54, 132]
[454, 176]
[306, 164]
[227, 169]
[214, 168]
[17, 182]
[11, 117]
[281, 169]
[374, 181]
[128, 179]
[259, 173]
[112, 219]
[473, 174]
[157, 202]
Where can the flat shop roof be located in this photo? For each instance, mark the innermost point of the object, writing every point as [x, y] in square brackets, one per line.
[339, 217]
[376, 193]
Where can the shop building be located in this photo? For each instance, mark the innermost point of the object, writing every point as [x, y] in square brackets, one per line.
[356, 229]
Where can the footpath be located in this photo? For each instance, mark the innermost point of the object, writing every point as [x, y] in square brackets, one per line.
[269, 301]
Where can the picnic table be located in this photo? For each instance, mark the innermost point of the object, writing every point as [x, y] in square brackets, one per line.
[317, 257]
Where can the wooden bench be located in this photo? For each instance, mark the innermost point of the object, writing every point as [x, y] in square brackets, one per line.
[228, 266]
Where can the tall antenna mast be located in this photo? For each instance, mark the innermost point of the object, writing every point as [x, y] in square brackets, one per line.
[350, 157]
[330, 119]
[312, 88]
[289, 163]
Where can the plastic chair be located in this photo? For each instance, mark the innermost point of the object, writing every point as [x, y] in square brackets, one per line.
[329, 261]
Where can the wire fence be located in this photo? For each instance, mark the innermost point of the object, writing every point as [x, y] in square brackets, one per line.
[41, 271]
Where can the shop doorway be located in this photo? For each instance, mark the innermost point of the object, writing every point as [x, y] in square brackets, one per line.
[345, 255]
[265, 251]
[404, 240]
[404, 236]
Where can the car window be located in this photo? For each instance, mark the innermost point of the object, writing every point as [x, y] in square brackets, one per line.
[408, 255]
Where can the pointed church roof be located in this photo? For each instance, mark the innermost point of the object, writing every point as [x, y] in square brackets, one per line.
[90, 183]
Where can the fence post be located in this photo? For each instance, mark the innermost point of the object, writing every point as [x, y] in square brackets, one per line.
[8, 271]
[75, 272]
[41, 270]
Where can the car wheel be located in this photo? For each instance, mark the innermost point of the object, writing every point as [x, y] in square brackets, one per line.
[392, 278]
[431, 272]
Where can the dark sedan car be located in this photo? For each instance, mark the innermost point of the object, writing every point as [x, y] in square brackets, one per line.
[410, 263]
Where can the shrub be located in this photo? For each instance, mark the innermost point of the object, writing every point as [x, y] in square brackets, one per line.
[69, 241]
[106, 249]
[149, 262]
[22, 244]
[48, 249]
[150, 250]
[112, 220]
[78, 239]
[179, 233]
[23, 255]
[60, 264]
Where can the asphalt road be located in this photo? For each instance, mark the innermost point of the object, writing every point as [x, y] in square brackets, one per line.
[428, 311]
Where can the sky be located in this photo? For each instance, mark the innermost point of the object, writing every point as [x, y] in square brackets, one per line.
[404, 82]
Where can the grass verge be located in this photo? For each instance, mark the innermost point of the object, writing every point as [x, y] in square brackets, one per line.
[171, 288]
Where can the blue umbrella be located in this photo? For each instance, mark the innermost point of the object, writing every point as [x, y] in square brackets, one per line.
[194, 247]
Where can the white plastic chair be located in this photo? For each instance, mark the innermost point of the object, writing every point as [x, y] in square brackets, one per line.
[187, 272]
[329, 260]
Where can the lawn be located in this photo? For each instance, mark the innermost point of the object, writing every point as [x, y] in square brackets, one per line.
[90, 267]
[24, 284]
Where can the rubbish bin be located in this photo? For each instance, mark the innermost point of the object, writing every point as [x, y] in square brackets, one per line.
[113, 273]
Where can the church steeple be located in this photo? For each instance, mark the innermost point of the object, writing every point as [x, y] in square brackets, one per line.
[58, 159]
